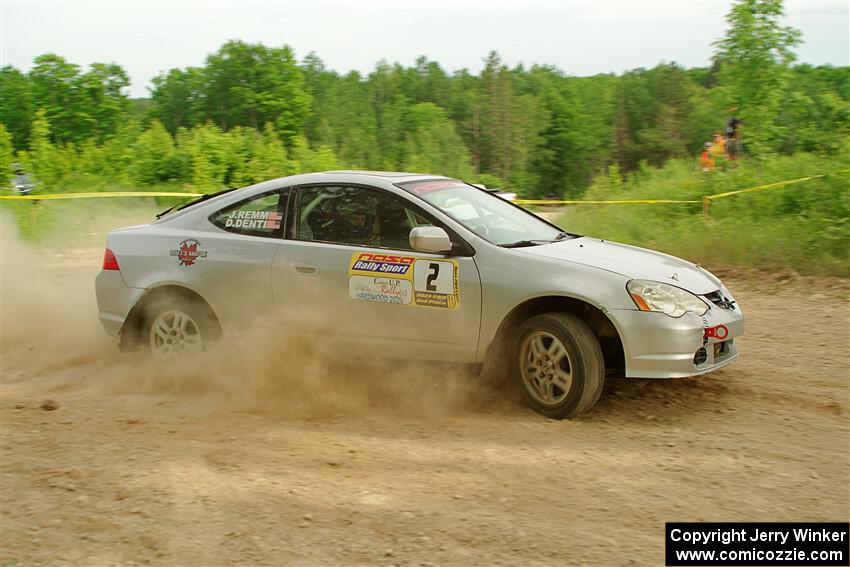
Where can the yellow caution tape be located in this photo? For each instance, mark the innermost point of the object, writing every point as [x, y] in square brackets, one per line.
[772, 185]
[761, 187]
[37, 197]
[668, 201]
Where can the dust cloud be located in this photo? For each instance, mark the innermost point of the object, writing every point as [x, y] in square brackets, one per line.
[48, 304]
[50, 324]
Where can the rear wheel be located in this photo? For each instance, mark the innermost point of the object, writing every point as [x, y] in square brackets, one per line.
[177, 327]
[558, 364]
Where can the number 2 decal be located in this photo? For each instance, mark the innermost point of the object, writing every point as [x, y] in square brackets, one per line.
[435, 273]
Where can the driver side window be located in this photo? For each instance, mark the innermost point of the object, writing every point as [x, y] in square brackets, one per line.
[355, 216]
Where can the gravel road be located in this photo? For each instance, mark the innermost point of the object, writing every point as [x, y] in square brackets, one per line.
[274, 457]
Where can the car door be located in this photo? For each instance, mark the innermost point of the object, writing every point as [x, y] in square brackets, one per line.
[234, 273]
[346, 267]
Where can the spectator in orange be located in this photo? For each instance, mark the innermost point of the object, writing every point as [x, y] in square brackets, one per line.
[706, 161]
[718, 148]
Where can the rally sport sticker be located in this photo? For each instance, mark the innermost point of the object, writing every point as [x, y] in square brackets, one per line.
[404, 280]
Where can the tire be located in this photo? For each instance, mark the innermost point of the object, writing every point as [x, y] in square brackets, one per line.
[558, 365]
[175, 326]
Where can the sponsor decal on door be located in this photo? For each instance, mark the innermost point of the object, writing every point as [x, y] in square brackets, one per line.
[404, 280]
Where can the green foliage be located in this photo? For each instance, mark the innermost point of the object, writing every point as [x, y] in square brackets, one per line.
[349, 122]
[207, 148]
[661, 114]
[106, 103]
[255, 156]
[7, 156]
[575, 140]
[489, 181]
[816, 115]
[433, 145]
[17, 109]
[241, 84]
[178, 98]
[156, 159]
[203, 158]
[43, 158]
[250, 85]
[252, 112]
[755, 58]
[79, 105]
[118, 153]
[306, 160]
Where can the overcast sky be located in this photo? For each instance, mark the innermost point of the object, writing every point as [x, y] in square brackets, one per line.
[581, 37]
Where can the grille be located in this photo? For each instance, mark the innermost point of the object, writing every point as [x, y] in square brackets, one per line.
[719, 300]
[700, 357]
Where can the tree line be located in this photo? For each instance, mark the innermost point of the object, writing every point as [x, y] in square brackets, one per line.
[251, 112]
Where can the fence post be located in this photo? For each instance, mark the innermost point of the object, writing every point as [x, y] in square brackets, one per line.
[706, 206]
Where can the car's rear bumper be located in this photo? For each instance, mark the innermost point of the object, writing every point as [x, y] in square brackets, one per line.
[658, 346]
[114, 300]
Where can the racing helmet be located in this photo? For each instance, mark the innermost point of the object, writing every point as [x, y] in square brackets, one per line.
[355, 218]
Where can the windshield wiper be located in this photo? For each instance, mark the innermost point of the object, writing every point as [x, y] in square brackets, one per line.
[565, 235]
[536, 242]
[524, 243]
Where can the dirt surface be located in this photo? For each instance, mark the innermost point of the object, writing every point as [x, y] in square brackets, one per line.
[270, 457]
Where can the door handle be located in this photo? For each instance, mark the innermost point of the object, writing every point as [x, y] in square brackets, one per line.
[305, 268]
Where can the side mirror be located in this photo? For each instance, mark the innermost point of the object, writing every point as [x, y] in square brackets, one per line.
[430, 239]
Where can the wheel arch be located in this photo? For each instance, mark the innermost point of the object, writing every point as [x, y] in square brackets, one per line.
[600, 323]
[131, 330]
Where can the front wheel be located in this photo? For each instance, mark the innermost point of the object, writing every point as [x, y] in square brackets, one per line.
[558, 364]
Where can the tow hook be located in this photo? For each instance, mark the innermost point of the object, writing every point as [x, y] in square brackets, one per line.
[720, 332]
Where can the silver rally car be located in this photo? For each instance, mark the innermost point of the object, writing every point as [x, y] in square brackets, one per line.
[417, 267]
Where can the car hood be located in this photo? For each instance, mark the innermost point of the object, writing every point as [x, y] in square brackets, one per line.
[630, 261]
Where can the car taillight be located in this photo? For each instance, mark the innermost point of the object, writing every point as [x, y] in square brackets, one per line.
[110, 262]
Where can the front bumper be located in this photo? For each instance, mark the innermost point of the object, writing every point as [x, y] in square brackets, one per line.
[656, 345]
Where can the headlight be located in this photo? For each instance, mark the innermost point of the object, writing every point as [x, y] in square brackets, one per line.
[664, 298]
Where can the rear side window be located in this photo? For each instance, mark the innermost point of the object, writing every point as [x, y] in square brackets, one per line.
[261, 215]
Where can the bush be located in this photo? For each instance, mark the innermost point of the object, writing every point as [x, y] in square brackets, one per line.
[803, 226]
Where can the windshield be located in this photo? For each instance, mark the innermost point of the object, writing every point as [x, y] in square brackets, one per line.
[490, 217]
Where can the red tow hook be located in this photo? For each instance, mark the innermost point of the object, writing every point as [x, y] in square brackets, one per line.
[720, 332]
